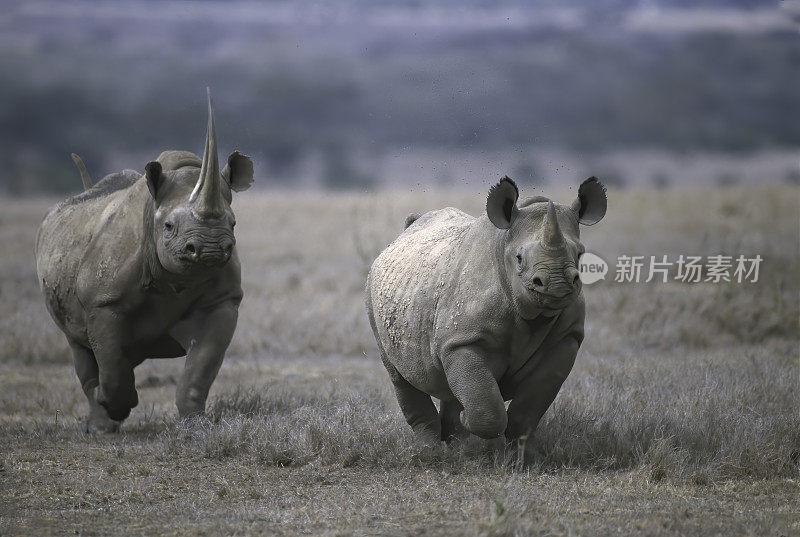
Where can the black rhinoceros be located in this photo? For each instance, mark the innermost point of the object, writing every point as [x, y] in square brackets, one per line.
[144, 266]
[479, 311]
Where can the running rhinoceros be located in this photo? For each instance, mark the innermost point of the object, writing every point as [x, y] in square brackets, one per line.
[478, 311]
[144, 266]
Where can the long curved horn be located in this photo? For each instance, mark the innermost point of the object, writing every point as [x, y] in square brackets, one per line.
[207, 194]
[551, 234]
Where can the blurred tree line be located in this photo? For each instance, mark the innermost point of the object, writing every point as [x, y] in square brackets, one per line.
[282, 97]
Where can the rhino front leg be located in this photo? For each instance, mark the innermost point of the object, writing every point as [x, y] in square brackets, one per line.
[537, 391]
[86, 369]
[476, 389]
[207, 334]
[450, 417]
[116, 391]
[417, 407]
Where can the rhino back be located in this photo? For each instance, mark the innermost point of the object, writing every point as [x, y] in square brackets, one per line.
[95, 220]
[406, 284]
[107, 185]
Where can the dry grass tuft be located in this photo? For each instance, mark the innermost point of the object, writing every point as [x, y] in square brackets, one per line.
[679, 420]
[280, 428]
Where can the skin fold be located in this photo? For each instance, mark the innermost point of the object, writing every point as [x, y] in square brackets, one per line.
[479, 311]
[145, 266]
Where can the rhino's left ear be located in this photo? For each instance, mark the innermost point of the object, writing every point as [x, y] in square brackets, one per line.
[501, 205]
[239, 172]
[154, 177]
[591, 203]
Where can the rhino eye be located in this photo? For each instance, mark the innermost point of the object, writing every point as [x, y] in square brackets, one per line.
[168, 226]
[519, 259]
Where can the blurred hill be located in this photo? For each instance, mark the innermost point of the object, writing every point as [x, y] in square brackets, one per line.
[354, 93]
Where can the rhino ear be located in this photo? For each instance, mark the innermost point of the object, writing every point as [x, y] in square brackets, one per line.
[154, 177]
[591, 203]
[239, 172]
[501, 205]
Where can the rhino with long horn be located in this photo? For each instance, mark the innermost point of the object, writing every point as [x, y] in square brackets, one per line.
[479, 311]
[144, 266]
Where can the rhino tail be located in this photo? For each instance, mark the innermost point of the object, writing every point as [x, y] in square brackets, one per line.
[87, 181]
[410, 219]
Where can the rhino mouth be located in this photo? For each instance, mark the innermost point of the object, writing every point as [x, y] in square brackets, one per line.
[206, 259]
[215, 260]
[552, 301]
[557, 295]
[195, 250]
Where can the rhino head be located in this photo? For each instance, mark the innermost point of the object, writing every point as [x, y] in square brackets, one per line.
[539, 248]
[192, 220]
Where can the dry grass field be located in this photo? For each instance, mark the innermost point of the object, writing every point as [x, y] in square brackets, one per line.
[680, 417]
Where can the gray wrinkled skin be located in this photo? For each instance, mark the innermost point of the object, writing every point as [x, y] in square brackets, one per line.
[478, 311]
[144, 266]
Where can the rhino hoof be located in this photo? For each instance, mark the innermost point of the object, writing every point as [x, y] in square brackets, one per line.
[106, 426]
[195, 419]
[427, 437]
[116, 405]
[522, 455]
[118, 413]
[488, 426]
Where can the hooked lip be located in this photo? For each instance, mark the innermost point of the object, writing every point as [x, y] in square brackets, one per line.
[551, 295]
[208, 260]
[552, 301]
[216, 262]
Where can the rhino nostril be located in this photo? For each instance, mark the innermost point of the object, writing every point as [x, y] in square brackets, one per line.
[540, 280]
[573, 276]
[192, 250]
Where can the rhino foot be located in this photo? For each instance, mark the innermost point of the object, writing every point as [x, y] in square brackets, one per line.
[118, 405]
[100, 424]
[98, 420]
[426, 436]
[191, 403]
[485, 424]
[521, 454]
[195, 419]
[452, 429]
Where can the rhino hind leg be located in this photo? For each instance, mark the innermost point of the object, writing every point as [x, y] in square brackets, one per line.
[85, 364]
[449, 417]
[417, 407]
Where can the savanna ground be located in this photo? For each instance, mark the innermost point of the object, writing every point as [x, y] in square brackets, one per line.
[680, 417]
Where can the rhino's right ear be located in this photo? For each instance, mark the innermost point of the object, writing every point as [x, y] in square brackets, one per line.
[239, 172]
[591, 203]
[154, 177]
[501, 205]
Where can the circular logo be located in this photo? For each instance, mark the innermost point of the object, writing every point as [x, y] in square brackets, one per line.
[592, 268]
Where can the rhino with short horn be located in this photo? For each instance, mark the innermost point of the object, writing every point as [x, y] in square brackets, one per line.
[479, 311]
[145, 266]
